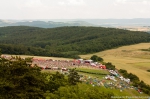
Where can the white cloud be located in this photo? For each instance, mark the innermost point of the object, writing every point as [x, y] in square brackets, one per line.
[132, 2]
[34, 3]
[72, 2]
[121, 1]
[74, 9]
[146, 2]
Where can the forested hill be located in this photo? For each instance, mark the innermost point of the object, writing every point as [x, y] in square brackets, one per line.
[65, 41]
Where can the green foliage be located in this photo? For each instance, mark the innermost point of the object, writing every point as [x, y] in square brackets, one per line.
[95, 58]
[109, 66]
[136, 81]
[17, 80]
[131, 76]
[54, 81]
[86, 91]
[88, 72]
[123, 71]
[73, 77]
[65, 41]
[81, 91]
[28, 59]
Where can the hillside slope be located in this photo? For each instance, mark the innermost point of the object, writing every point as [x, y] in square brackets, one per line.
[66, 41]
[130, 58]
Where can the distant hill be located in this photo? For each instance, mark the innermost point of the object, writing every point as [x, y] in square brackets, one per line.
[43, 24]
[65, 41]
[120, 22]
[110, 22]
[51, 23]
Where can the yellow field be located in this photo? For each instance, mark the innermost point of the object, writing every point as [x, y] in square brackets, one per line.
[130, 58]
[40, 57]
[135, 28]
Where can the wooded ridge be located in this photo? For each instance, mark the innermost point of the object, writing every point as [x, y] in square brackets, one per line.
[65, 41]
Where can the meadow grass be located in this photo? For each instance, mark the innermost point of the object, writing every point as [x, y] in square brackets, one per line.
[100, 73]
[93, 70]
[130, 58]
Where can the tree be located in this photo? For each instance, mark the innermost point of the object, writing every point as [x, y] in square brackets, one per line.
[81, 91]
[73, 77]
[95, 58]
[110, 66]
[17, 80]
[54, 81]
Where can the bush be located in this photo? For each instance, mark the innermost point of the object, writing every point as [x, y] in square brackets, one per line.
[135, 81]
[109, 66]
[148, 70]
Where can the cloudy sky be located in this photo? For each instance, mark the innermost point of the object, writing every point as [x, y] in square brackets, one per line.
[74, 9]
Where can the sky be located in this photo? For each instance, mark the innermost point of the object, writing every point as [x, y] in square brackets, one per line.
[74, 9]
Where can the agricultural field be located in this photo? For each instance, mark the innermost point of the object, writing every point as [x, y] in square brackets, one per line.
[136, 28]
[39, 57]
[130, 58]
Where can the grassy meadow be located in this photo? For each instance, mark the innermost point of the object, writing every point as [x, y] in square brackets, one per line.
[92, 72]
[130, 58]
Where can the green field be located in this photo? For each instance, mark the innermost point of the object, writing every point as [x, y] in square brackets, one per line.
[95, 73]
[93, 70]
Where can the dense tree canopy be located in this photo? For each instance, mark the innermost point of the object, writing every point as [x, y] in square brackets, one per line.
[65, 41]
[17, 80]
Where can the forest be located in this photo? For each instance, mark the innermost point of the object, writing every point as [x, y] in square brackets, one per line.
[65, 41]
